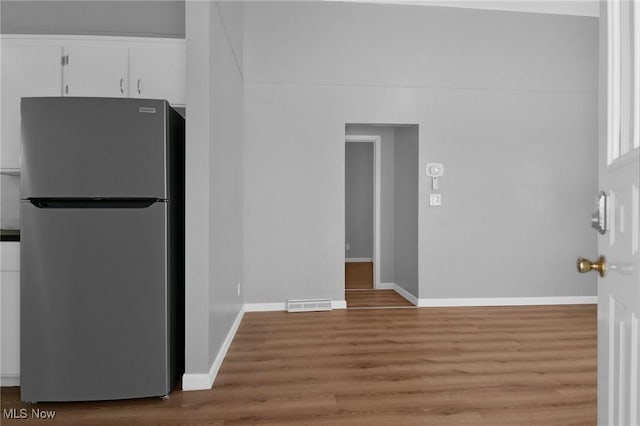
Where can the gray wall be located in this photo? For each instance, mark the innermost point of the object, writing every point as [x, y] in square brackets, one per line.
[406, 205]
[359, 199]
[197, 235]
[214, 210]
[123, 18]
[226, 162]
[507, 101]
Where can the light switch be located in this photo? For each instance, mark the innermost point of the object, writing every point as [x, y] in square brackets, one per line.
[435, 200]
[435, 169]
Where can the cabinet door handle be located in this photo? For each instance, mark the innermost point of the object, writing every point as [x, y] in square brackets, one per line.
[66, 89]
[139, 90]
[122, 85]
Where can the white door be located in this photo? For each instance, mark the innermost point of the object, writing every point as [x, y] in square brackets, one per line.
[26, 71]
[158, 73]
[619, 165]
[96, 71]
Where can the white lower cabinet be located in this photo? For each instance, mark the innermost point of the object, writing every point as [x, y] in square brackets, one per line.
[10, 313]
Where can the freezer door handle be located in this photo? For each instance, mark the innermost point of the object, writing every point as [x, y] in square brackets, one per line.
[97, 203]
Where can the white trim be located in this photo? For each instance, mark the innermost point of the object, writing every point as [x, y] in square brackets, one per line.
[339, 304]
[382, 307]
[200, 381]
[10, 380]
[357, 259]
[265, 307]
[404, 293]
[401, 291]
[377, 192]
[509, 301]
[274, 307]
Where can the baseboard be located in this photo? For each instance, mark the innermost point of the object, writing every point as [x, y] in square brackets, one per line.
[401, 291]
[508, 301]
[204, 381]
[404, 293]
[273, 307]
[339, 304]
[9, 380]
[358, 259]
[265, 307]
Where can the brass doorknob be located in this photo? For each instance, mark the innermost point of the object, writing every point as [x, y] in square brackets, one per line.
[585, 265]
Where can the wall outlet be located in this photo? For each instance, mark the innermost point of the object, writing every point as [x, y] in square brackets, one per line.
[347, 246]
[238, 289]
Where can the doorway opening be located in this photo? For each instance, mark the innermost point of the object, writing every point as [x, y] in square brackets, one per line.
[381, 170]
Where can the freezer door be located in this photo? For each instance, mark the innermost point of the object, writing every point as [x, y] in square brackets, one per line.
[93, 147]
[93, 303]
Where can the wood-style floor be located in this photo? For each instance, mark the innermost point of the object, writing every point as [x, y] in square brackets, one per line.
[358, 276]
[359, 299]
[359, 292]
[492, 366]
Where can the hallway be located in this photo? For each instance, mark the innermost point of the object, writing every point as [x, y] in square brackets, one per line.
[360, 294]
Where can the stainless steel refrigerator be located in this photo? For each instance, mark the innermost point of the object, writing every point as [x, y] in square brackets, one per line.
[102, 248]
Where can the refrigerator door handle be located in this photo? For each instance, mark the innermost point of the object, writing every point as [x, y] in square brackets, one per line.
[107, 203]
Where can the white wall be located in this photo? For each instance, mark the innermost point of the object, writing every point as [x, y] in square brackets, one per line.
[214, 150]
[507, 101]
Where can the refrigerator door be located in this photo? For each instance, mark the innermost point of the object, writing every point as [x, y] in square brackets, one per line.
[93, 147]
[93, 302]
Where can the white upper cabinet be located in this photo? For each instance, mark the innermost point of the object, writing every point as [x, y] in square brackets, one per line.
[95, 71]
[27, 70]
[158, 72]
[53, 65]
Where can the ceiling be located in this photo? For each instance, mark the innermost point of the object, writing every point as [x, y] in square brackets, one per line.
[559, 7]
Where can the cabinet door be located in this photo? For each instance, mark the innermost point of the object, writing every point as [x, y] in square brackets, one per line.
[158, 73]
[26, 71]
[10, 313]
[96, 71]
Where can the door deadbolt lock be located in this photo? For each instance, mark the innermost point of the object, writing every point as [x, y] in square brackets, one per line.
[585, 265]
[599, 216]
